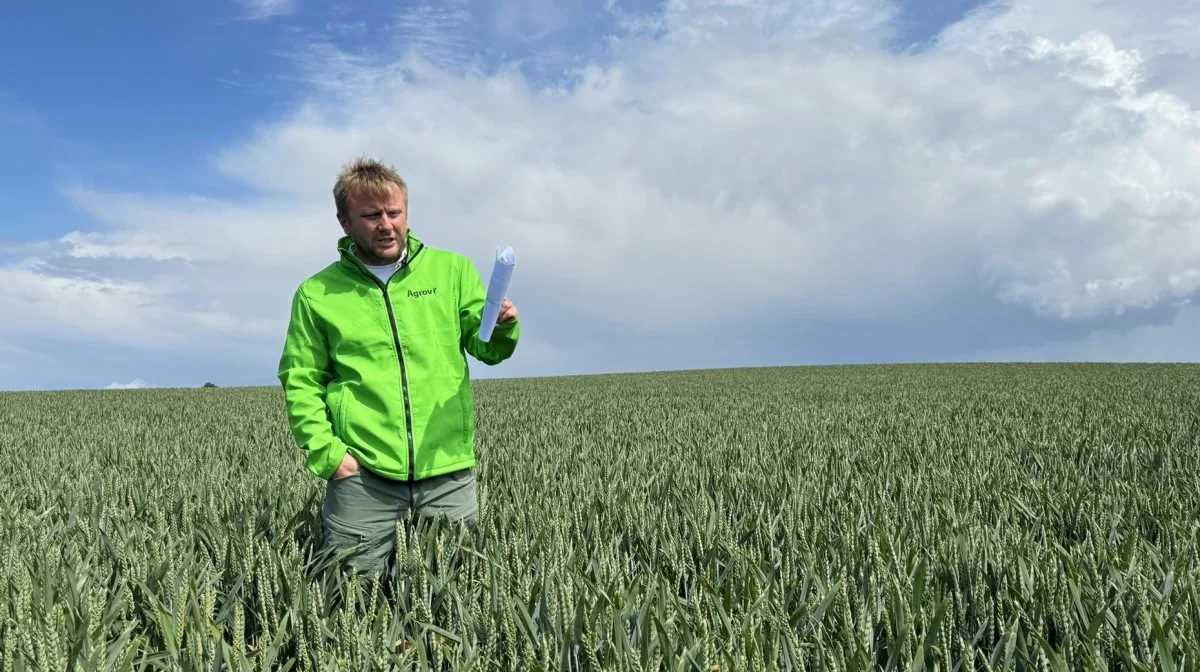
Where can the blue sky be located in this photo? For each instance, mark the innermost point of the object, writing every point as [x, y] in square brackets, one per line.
[142, 126]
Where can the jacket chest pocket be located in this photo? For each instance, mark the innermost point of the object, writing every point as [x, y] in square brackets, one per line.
[427, 319]
[362, 337]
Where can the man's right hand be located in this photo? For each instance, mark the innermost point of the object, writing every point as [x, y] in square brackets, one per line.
[348, 467]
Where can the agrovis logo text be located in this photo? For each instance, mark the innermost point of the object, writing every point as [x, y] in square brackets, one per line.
[421, 292]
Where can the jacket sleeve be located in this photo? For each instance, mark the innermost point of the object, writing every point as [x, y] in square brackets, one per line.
[305, 373]
[472, 296]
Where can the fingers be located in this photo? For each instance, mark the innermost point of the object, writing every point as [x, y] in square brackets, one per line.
[508, 312]
[349, 467]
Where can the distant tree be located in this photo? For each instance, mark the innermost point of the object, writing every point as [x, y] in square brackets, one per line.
[209, 385]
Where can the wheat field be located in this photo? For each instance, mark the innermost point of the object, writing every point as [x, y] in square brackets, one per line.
[935, 517]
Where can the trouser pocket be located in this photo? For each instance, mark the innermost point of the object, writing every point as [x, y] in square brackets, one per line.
[452, 495]
[359, 524]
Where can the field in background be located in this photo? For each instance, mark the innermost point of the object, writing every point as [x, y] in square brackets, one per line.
[956, 517]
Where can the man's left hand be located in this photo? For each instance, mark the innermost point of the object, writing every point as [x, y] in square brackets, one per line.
[508, 312]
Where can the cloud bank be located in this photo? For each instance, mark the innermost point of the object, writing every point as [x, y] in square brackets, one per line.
[726, 173]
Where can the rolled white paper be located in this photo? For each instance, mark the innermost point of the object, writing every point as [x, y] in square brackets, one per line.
[497, 290]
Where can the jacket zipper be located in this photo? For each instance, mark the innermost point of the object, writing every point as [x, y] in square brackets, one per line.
[400, 356]
[412, 458]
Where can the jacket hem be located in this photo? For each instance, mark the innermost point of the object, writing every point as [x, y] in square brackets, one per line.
[402, 475]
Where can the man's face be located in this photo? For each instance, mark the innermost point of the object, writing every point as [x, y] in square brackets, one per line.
[379, 226]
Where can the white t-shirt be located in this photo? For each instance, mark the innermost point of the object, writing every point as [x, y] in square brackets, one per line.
[385, 272]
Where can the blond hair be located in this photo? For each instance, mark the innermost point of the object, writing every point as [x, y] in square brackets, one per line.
[367, 176]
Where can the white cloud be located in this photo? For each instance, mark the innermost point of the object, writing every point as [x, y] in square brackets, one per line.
[136, 384]
[126, 245]
[531, 19]
[1166, 26]
[435, 30]
[167, 312]
[265, 9]
[728, 163]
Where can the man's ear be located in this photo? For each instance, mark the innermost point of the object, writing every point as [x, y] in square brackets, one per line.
[345, 223]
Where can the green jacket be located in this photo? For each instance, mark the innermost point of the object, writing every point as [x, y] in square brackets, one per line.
[381, 371]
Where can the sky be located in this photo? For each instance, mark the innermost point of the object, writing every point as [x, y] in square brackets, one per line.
[686, 183]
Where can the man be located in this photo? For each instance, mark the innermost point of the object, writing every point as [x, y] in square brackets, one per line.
[374, 371]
